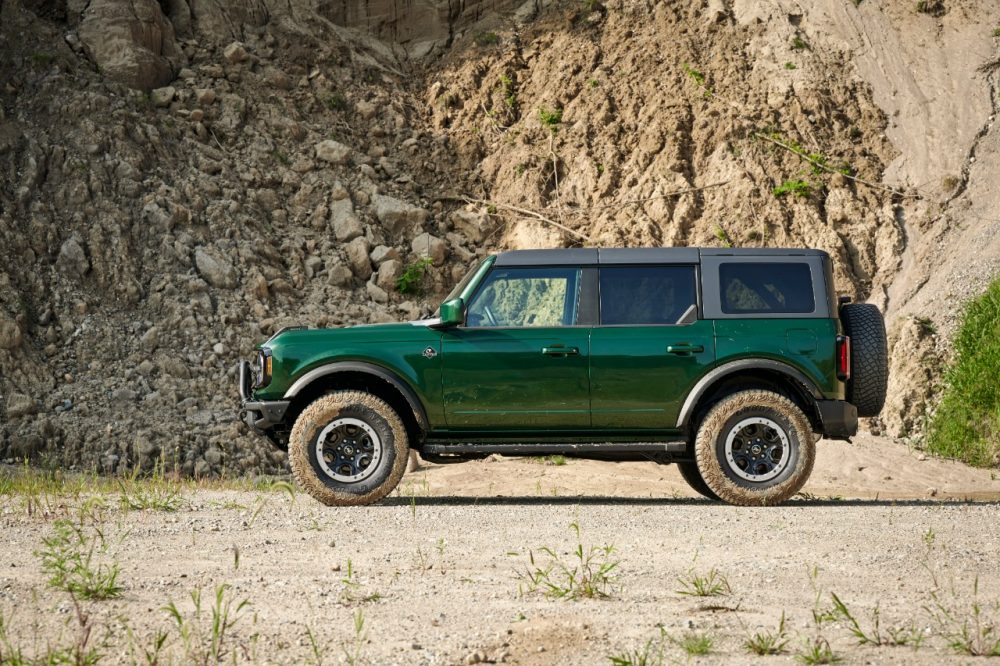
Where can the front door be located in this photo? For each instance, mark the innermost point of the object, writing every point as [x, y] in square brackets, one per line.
[521, 359]
[650, 348]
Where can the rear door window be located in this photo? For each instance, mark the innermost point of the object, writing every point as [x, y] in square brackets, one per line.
[766, 288]
[636, 295]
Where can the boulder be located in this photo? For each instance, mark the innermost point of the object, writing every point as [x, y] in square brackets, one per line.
[235, 53]
[432, 247]
[217, 271]
[19, 404]
[396, 215]
[388, 273]
[131, 41]
[10, 334]
[72, 259]
[346, 225]
[473, 224]
[357, 257]
[333, 152]
[384, 253]
[162, 97]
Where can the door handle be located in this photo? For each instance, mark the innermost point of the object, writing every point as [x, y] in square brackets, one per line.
[685, 349]
[560, 351]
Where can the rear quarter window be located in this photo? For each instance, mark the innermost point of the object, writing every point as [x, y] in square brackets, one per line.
[766, 288]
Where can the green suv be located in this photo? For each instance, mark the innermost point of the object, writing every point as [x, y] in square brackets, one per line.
[730, 364]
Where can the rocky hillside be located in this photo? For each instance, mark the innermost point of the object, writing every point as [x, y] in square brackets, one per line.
[179, 179]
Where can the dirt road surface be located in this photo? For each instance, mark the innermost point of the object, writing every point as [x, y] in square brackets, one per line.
[441, 572]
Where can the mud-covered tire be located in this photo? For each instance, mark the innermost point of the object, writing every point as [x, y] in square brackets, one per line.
[866, 388]
[689, 472]
[723, 444]
[375, 424]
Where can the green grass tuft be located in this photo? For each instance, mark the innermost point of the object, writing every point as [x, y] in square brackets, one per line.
[796, 187]
[967, 423]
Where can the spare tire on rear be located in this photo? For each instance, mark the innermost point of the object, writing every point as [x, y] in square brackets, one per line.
[869, 357]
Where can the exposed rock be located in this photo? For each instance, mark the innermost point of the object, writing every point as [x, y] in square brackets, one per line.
[217, 271]
[150, 340]
[339, 275]
[346, 225]
[383, 253]
[10, 333]
[235, 53]
[162, 97]
[388, 272]
[333, 152]
[426, 245]
[19, 404]
[131, 41]
[357, 257]
[396, 215]
[473, 224]
[377, 293]
[205, 96]
[72, 259]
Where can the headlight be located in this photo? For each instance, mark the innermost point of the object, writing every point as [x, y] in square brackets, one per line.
[262, 369]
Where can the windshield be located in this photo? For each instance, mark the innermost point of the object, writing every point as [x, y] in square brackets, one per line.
[460, 287]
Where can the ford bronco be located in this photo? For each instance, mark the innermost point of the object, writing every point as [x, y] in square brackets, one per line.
[729, 363]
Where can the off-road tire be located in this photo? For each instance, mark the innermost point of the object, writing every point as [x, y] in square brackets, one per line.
[689, 472]
[364, 407]
[866, 388]
[719, 473]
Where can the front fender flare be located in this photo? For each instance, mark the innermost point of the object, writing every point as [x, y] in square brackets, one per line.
[368, 368]
[726, 369]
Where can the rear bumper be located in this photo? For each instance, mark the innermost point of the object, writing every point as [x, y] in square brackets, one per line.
[839, 418]
[259, 415]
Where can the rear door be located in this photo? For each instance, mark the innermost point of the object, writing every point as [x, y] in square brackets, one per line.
[650, 347]
[521, 360]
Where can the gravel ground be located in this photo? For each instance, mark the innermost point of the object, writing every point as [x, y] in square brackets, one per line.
[439, 572]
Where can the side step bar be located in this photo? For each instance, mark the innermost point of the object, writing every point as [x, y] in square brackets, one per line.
[557, 448]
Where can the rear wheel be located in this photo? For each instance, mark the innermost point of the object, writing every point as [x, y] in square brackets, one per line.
[348, 448]
[689, 472]
[755, 448]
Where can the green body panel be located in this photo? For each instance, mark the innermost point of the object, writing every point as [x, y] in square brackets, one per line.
[635, 382]
[809, 345]
[396, 347]
[500, 378]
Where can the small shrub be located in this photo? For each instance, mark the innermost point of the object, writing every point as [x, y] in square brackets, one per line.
[799, 44]
[764, 643]
[714, 584]
[409, 282]
[855, 134]
[650, 654]
[695, 644]
[589, 573]
[70, 560]
[206, 633]
[336, 102]
[817, 651]
[790, 65]
[932, 7]
[795, 187]
[487, 39]
[996, 32]
[696, 75]
[551, 118]
[723, 236]
[967, 422]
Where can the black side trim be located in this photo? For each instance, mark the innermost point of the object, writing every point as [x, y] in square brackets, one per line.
[840, 418]
[567, 448]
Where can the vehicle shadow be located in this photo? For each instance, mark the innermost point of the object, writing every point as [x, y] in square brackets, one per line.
[592, 500]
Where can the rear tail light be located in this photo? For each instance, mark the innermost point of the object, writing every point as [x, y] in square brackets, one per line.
[843, 358]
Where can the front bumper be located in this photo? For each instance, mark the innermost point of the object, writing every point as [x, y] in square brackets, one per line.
[839, 418]
[259, 415]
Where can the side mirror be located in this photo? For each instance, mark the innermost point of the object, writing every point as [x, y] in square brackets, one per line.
[453, 312]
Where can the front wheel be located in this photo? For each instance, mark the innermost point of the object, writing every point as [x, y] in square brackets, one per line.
[755, 448]
[348, 448]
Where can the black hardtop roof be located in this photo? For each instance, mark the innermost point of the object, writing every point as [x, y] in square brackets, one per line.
[639, 255]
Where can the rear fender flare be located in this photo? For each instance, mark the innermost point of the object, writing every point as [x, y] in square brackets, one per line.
[726, 369]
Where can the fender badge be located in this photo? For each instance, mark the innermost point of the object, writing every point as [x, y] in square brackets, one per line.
[430, 353]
